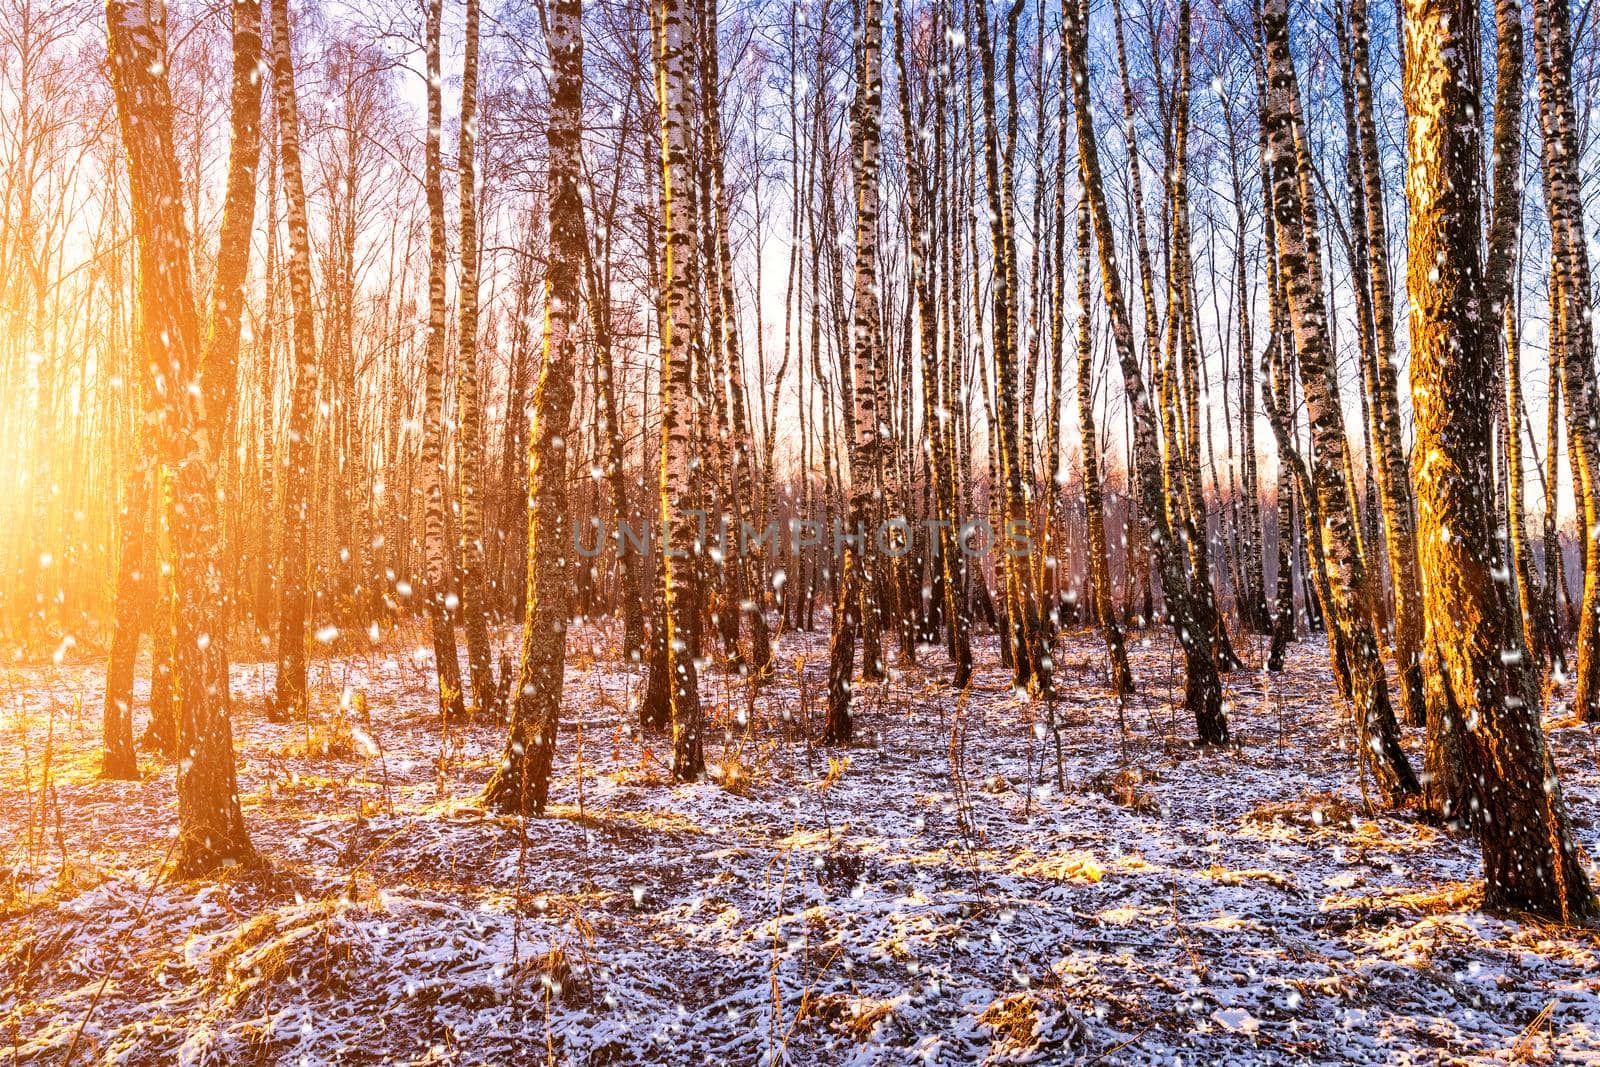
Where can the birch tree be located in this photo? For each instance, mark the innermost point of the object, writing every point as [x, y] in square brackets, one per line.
[211, 831]
[289, 697]
[469, 405]
[522, 781]
[855, 607]
[440, 599]
[1202, 687]
[1300, 267]
[1531, 860]
[1572, 332]
[674, 94]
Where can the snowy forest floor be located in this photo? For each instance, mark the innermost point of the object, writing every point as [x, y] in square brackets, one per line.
[928, 896]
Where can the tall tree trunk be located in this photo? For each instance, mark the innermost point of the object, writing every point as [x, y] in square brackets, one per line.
[606, 367]
[1501, 274]
[749, 564]
[522, 781]
[469, 407]
[1301, 269]
[1025, 634]
[1275, 396]
[1117, 668]
[937, 408]
[1357, 248]
[219, 371]
[679, 326]
[855, 607]
[1184, 362]
[1394, 478]
[220, 354]
[440, 600]
[1572, 330]
[1253, 609]
[1202, 687]
[211, 828]
[289, 697]
[1531, 860]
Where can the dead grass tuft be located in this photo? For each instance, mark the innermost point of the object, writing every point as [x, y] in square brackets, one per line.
[1030, 1028]
[1316, 811]
[307, 951]
[1253, 874]
[1445, 899]
[16, 898]
[1126, 789]
[852, 1016]
[841, 868]
[1015, 1020]
[556, 974]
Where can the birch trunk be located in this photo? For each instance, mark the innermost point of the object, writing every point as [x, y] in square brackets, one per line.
[1202, 687]
[674, 92]
[855, 606]
[210, 824]
[440, 599]
[289, 697]
[1394, 477]
[1300, 268]
[469, 405]
[938, 412]
[1118, 671]
[1025, 636]
[1531, 860]
[521, 783]
[1572, 331]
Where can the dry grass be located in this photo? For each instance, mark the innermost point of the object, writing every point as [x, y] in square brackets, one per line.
[842, 1013]
[1317, 810]
[1015, 1021]
[313, 950]
[1126, 788]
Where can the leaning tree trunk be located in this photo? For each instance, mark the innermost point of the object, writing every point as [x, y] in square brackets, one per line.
[1394, 476]
[211, 828]
[289, 698]
[1203, 688]
[1300, 267]
[469, 406]
[522, 782]
[1531, 859]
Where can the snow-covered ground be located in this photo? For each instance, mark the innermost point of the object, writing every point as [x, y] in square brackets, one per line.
[957, 887]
